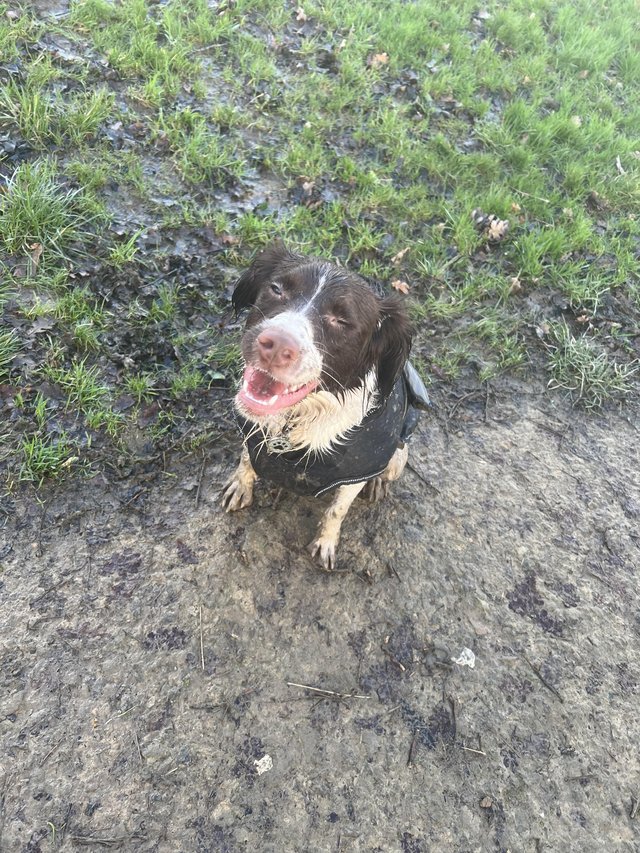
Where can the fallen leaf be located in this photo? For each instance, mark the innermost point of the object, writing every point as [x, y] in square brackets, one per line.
[515, 207]
[301, 15]
[582, 75]
[229, 240]
[397, 258]
[576, 121]
[378, 59]
[486, 803]
[400, 286]
[515, 285]
[35, 255]
[497, 229]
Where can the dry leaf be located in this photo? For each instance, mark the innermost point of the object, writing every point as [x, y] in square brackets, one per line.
[379, 59]
[486, 803]
[229, 240]
[35, 254]
[497, 229]
[583, 74]
[301, 15]
[515, 285]
[400, 286]
[397, 258]
[515, 207]
[576, 121]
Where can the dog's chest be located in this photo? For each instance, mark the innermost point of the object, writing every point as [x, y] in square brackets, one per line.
[362, 454]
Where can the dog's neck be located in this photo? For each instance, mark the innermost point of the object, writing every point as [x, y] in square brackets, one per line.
[322, 420]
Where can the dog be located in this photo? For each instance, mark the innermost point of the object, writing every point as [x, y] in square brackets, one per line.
[328, 397]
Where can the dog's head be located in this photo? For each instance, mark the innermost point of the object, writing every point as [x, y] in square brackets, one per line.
[313, 325]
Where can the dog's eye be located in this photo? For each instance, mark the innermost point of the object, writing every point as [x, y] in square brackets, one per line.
[275, 289]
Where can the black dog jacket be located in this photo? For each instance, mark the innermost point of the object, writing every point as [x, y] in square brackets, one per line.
[362, 455]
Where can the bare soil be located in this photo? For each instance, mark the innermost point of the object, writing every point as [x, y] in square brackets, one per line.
[149, 640]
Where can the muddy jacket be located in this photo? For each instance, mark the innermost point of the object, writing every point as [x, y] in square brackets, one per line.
[363, 455]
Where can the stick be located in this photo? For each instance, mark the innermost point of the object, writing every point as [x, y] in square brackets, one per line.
[201, 641]
[327, 692]
[543, 680]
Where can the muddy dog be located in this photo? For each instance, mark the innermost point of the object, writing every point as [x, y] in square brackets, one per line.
[328, 397]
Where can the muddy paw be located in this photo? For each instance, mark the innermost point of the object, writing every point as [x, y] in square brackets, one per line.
[375, 490]
[237, 495]
[324, 550]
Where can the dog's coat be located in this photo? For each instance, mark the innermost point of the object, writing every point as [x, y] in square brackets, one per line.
[328, 397]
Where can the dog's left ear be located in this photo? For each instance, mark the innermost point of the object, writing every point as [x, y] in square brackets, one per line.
[261, 271]
[391, 343]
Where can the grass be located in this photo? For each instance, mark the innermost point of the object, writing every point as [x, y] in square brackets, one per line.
[589, 375]
[171, 141]
[36, 210]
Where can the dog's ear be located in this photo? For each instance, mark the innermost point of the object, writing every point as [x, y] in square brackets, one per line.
[391, 343]
[261, 270]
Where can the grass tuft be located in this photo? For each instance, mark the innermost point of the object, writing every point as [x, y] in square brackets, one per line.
[586, 372]
[36, 211]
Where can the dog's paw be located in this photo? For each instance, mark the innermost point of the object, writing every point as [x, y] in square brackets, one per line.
[237, 494]
[323, 548]
[375, 490]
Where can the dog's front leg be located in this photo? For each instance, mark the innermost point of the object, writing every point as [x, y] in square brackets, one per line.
[238, 492]
[324, 545]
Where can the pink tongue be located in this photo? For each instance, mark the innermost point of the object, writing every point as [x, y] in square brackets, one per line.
[263, 385]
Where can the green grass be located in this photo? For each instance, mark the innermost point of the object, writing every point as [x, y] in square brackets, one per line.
[45, 457]
[585, 371]
[36, 210]
[181, 137]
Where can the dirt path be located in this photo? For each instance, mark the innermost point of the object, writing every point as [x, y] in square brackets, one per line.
[148, 643]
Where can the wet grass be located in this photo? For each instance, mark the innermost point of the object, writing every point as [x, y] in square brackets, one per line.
[152, 148]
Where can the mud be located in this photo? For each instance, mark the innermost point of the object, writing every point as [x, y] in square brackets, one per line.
[150, 641]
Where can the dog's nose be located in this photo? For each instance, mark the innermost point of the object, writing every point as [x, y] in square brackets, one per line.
[277, 349]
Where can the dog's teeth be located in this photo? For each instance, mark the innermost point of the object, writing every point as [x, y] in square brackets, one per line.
[245, 385]
[273, 399]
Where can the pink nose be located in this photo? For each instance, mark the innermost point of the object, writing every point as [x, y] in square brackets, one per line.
[277, 349]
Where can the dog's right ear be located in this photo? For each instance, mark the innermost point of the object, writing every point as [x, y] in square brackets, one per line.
[260, 272]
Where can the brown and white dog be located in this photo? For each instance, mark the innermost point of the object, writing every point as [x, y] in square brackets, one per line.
[324, 402]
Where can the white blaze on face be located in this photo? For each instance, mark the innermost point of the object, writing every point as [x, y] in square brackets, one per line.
[263, 393]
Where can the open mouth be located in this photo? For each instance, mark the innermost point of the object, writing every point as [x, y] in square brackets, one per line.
[263, 394]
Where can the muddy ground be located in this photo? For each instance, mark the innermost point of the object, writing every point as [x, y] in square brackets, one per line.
[149, 640]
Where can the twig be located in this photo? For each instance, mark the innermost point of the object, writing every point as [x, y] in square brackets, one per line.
[392, 570]
[461, 400]
[422, 477]
[543, 680]
[412, 751]
[135, 735]
[65, 824]
[64, 580]
[634, 808]
[394, 660]
[201, 641]
[106, 842]
[51, 751]
[200, 476]
[475, 751]
[323, 692]
[528, 195]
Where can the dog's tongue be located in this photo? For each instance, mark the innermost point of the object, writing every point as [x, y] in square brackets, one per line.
[262, 394]
[263, 386]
